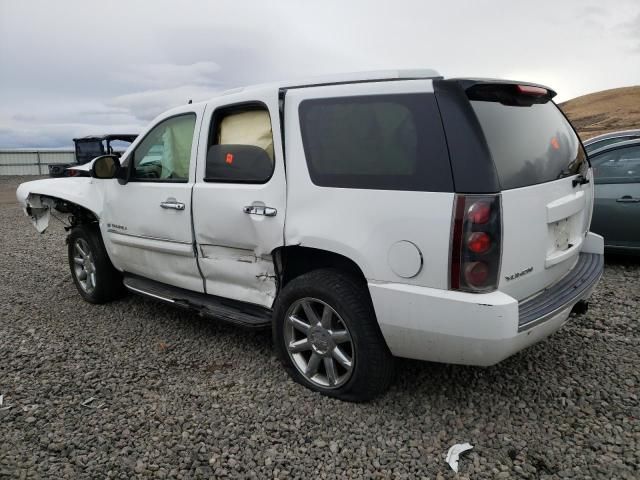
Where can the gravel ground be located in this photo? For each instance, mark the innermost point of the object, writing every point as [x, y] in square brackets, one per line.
[178, 396]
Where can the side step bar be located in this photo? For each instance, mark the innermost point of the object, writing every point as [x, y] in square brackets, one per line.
[231, 311]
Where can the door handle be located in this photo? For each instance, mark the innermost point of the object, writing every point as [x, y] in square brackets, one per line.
[172, 203]
[628, 199]
[260, 210]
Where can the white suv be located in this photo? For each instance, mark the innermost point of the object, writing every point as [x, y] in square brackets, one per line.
[362, 218]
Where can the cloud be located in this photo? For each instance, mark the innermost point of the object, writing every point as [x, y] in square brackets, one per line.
[632, 29]
[71, 70]
[148, 104]
[166, 75]
[592, 11]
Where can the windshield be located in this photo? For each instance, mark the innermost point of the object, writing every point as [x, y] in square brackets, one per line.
[529, 144]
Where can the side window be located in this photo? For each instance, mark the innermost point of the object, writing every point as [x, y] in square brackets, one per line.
[617, 166]
[387, 142]
[240, 146]
[165, 153]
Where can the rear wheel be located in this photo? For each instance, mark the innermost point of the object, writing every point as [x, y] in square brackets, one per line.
[328, 339]
[95, 277]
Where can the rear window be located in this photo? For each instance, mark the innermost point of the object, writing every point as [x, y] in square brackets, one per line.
[529, 144]
[385, 142]
[90, 148]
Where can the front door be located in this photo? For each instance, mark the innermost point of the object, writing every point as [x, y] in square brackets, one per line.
[616, 215]
[147, 220]
[239, 196]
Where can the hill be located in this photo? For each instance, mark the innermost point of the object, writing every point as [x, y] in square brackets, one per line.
[605, 111]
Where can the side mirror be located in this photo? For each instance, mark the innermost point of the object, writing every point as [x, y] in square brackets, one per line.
[105, 167]
[238, 164]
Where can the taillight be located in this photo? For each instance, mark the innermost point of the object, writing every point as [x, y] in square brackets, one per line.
[531, 90]
[479, 242]
[475, 243]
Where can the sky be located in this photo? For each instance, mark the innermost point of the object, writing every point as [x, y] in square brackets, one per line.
[73, 68]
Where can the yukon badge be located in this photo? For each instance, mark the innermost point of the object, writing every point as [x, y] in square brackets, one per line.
[518, 274]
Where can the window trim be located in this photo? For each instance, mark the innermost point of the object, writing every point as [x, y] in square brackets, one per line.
[213, 127]
[132, 157]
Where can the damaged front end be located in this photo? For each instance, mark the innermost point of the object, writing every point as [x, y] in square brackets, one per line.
[38, 208]
[74, 196]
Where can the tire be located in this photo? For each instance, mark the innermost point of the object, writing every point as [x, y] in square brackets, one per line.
[95, 278]
[328, 314]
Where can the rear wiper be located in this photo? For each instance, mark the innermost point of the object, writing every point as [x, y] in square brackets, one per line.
[579, 180]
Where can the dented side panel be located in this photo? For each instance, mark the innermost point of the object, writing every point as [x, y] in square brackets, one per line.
[238, 274]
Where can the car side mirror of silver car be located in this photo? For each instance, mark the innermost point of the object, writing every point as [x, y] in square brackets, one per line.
[105, 167]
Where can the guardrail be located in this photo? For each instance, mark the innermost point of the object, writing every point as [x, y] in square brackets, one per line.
[32, 162]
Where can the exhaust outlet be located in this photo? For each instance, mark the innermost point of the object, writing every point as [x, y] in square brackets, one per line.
[580, 308]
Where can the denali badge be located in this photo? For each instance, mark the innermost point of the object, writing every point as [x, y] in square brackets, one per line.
[519, 274]
[114, 226]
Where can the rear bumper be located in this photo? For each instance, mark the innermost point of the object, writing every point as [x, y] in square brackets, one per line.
[477, 329]
[573, 287]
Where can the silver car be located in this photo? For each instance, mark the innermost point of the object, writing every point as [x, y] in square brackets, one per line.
[610, 138]
[616, 215]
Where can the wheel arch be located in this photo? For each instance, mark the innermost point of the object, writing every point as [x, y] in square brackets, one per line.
[294, 260]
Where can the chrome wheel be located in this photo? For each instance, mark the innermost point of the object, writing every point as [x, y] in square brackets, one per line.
[84, 267]
[319, 343]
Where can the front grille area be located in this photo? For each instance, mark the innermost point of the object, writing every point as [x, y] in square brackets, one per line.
[570, 288]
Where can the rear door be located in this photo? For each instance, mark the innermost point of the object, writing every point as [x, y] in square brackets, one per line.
[616, 215]
[546, 184]
[239, 196]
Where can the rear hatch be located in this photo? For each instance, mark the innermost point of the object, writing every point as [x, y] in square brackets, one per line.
[544, 178]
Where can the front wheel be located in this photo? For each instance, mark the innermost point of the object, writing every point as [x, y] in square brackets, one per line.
[328, 339]
[95, 277]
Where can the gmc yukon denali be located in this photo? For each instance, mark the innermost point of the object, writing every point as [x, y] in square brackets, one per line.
[362, 218]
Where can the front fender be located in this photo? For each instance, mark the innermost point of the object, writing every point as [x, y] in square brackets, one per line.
[38, 197]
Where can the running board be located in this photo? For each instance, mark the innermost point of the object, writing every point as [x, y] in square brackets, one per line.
[231, 311]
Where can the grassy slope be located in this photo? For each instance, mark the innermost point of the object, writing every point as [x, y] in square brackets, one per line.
[606, 111]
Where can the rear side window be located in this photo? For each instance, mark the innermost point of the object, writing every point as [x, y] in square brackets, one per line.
[240, 146]
[529, 144]
[385, 142]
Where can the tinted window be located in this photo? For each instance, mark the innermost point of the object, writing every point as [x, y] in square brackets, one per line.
[93, 147]
[529, 144]
[617, 166]
[240, 145]
[165, 152]
[387, 142]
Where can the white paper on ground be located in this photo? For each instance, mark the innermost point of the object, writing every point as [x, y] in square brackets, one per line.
[454, 454]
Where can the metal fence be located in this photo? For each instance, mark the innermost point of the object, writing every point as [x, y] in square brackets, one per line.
[32, 162]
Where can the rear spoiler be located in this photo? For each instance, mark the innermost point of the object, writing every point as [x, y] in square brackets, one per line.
[506, 92]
